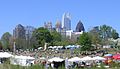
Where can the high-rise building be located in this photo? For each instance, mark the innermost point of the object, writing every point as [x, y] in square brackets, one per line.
[48, 25]
[19, 37]
[80, 27]
[66, 21]
[19, 32]
[28, 32]
[58, 26]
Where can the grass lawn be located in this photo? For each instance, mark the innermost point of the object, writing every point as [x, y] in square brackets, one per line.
[8, 66]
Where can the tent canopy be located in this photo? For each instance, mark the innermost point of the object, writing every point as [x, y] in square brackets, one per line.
[5, 55]
[23, 57]
[87, 58]
[116, 57]
[56, 59]
[74, 59]
[108, 55]
[98, 58]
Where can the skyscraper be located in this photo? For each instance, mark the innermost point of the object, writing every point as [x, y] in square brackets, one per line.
[19, 32]
[80, 27]
[58, 26]
[66, 21]
[19, 36]
[28, 32]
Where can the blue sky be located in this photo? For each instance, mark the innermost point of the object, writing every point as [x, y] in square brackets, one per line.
[36, 12]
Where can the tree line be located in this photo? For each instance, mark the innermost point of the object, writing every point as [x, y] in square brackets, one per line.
[99, 35]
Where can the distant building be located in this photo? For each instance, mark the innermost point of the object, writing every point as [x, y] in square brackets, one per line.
[66, 21]
[95, 29]
[19, 32]
[69, 33]
[48, 25]
[76, 35]
[28, 32]
[63, 33]
[80, 27]
[58, 27]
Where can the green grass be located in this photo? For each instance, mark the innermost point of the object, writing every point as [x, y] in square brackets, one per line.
[9, 66]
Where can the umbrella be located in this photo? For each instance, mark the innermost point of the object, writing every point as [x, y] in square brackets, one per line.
[116, 57]
[108, 55]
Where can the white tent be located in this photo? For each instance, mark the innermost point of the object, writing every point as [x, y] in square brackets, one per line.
[74, 59]
[98, 58]
[87, 58]
[5, 55]
[22, 60]
[56, 59]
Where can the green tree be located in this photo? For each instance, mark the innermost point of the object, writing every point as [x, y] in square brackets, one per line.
[5, 39]
[56, 38]
[107, 32]
[115, 35]
[1, 45]
[42, 36]
[95, 36]
[85, 42]
[20, 43]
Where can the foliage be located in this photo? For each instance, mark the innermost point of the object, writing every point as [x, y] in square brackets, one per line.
[107, 32]
[95, 36]
[101, 34]
[85, 41]
[20, 43]
[56, 38]
[5, 39]
[1, 45]
[115, 35]
[42, 36]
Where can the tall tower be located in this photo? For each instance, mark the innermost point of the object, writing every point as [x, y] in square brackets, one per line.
[19, 37]
[66, 21]
[58, 26]
[80, 27]
[19, 32]
[28, 32]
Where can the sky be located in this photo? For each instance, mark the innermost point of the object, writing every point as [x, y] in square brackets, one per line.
[36, 12]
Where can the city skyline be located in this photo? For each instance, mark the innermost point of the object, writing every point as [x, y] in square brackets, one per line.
[35, 13]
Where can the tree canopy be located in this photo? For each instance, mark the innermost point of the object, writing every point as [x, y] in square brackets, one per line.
[42, 36]
[85, 41]
[5, 40]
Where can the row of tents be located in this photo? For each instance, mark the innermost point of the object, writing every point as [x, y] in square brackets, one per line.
[27, 60]
[66, 47]
[76, 59]
[16, 60]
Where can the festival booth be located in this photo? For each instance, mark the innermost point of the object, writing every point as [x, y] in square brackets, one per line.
[56, 62]
[4, 56]
[22, 60]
